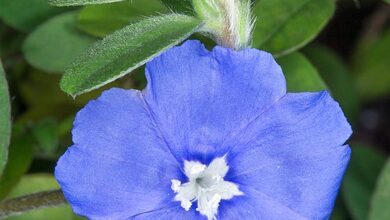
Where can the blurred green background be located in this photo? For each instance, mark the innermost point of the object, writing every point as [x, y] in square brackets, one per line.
[342, 46]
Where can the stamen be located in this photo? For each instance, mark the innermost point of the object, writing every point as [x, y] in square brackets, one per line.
[175, 185]
[214, 202]
[206, 186]
[198, 168]
[186, 204]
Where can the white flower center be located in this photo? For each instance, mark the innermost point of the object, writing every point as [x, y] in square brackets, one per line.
[206, 186]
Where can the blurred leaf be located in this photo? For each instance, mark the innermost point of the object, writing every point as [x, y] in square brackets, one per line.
[79, 2]
[301, 75]
[36, 113]
[371, 66]
[380, 203]
[287, 25]
[56, 43]
[65, 126]
[337, 77]
[38, 84]
[340, 212]
[101, 20]
[19, 160]
[360, 179]
[47, 135]
[5, 119]
[56, 103]
[124, 50]
[9, 42]
[25, 15]
[34, 183]
[179, 5]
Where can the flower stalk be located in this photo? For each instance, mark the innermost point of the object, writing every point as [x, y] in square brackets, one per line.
[34, 201]
[228, 22]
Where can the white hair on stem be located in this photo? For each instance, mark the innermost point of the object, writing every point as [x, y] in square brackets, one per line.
[239, 21]
[228, 22]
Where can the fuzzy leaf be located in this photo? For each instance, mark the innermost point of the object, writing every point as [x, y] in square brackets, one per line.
[79, 2]
[179, 5]
[125, 50]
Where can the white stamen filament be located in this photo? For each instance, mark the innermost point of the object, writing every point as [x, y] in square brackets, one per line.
[206, 186]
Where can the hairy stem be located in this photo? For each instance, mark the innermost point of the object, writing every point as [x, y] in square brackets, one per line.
[17, 206]
[228, 22]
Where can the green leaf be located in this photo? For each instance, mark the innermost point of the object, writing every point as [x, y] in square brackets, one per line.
[101, 20]
[5, 119]
[9, 43]
[360, 179]
[19, 158]
[25, 15]
[125, 50]
[340, 212]
[371, 66]
[381, 197]
[179, 5]
[338, 78]
[34, 183]
[56, 43]
[47, 135]
[79, 2]
[287, 25]
[301, 75]
[36, 84]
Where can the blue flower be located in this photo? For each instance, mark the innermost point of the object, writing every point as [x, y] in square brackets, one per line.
[213, 136]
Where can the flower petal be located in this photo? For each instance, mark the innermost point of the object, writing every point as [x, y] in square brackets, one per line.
[119, 166]
[293, 153]
[255, 205]
[175, 212]
[199, 97]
